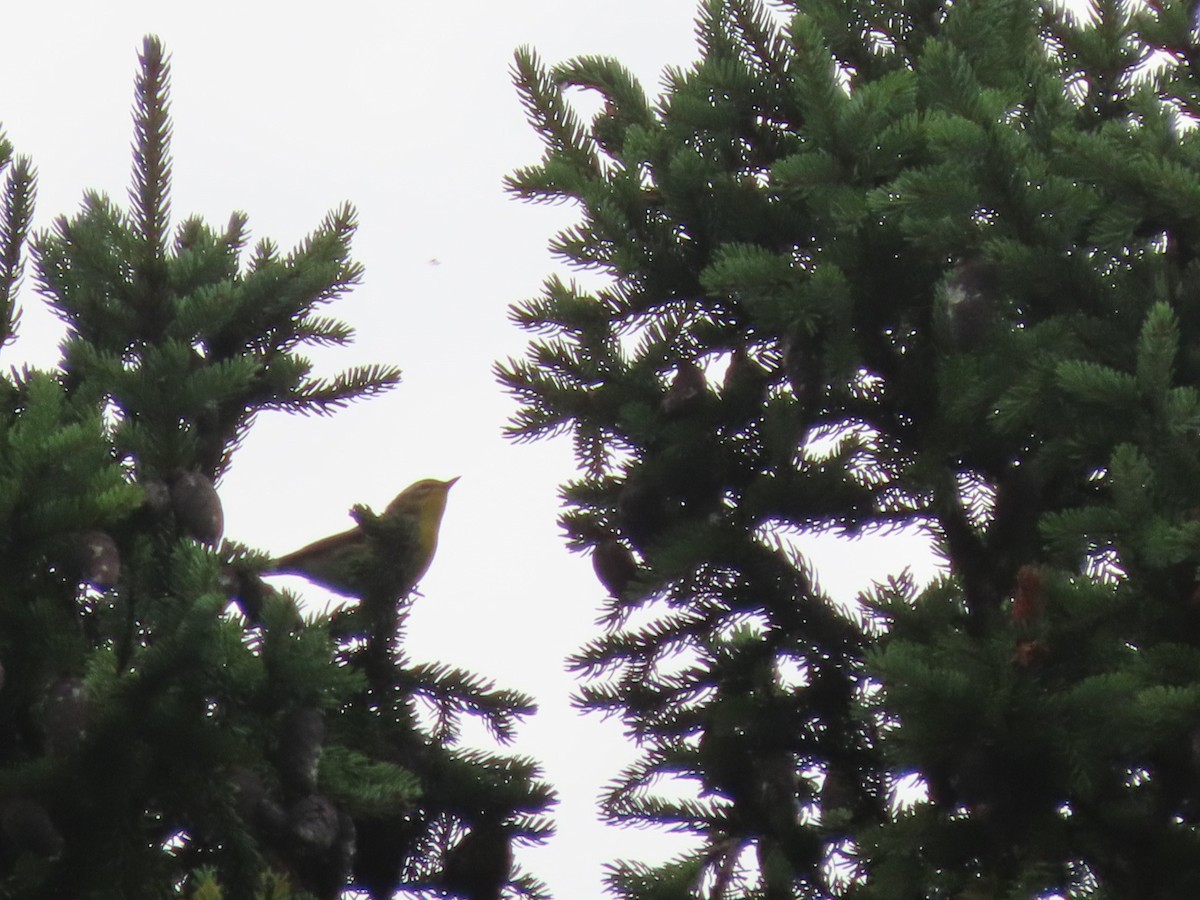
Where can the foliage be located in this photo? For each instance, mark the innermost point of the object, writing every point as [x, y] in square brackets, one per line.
[866, 266]
[155, 739]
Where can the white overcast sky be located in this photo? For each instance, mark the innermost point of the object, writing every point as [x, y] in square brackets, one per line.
[284, 110]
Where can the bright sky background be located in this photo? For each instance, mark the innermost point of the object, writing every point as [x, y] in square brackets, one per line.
[284, 110]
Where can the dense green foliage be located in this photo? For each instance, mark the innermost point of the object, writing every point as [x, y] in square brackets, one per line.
[169, 724]
[870, 265]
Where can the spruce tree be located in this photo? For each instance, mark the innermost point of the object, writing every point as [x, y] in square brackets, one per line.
[879, 265]
[169, 724]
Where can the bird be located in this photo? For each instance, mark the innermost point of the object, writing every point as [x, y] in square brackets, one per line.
[387, 553]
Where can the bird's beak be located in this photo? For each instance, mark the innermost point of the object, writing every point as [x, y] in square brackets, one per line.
[450, 483]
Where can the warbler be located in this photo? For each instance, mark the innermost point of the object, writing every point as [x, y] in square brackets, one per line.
[387, 554]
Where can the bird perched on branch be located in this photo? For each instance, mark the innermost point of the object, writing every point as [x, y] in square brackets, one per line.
[383, 554]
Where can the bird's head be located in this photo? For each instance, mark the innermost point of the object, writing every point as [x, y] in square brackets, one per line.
[424, 499]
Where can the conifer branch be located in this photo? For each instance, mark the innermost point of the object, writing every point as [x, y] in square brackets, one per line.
[16, 213]
[326, 395]
[550, 114]
[150, 191]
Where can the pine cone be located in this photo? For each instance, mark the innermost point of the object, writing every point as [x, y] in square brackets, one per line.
[28, 828]
[98, 560]
[197, 507]
[614, 566]
[65, 716]
[686, 391]
[299, 755]
[314, 820]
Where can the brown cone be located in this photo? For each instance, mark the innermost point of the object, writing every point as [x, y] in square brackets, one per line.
[614, 566]
[197, 507]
